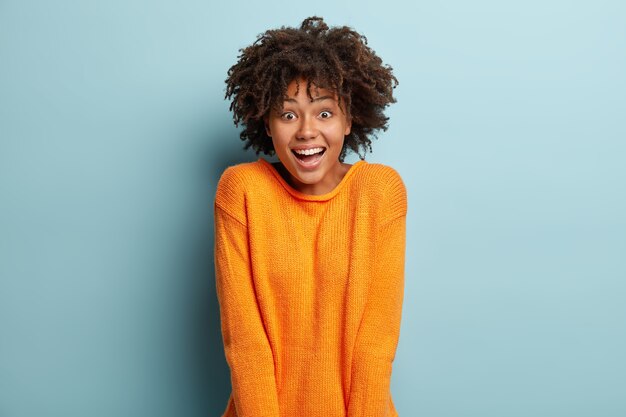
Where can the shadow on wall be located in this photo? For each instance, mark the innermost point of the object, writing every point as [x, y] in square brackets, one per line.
[223, 148]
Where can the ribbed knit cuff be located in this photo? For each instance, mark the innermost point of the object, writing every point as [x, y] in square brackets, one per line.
[254, 385]
[370, 394]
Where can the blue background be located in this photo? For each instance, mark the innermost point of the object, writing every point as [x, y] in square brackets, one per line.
[509, 132]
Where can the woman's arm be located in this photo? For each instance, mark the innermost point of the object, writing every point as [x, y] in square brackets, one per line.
[379, 332]
[246, 346]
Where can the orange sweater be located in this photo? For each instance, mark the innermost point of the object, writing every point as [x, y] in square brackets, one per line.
[310, 290]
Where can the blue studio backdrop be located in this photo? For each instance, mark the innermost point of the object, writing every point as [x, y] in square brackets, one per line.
[508, 132]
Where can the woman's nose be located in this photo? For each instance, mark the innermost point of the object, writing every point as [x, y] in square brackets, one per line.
[307, 128]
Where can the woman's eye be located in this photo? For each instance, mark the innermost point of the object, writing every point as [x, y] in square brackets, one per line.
[325, 114]
[288, 116]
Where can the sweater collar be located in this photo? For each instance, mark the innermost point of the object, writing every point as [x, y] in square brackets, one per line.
[311, 197]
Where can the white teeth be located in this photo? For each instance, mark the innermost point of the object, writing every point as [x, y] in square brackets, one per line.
[308, 151]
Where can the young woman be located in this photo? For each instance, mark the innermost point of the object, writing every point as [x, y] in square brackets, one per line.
[309, 250]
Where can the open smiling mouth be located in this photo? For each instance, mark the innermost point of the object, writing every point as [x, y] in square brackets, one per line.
[310, 156]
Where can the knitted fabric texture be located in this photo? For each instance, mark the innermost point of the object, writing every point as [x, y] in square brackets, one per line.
[310, 291]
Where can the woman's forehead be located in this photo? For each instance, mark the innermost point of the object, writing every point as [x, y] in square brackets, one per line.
[313, 90]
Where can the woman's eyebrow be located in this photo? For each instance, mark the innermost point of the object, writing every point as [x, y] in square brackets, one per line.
[293, 100]
[323, 98]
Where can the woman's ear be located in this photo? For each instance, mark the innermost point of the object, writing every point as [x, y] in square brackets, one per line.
[347, 117]
[348, 126]
[266, 122]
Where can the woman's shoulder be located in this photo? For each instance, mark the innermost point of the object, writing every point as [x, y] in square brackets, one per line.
[383, 177]
[389, 187]
[238, 174]
[234, 180]
[382, 172]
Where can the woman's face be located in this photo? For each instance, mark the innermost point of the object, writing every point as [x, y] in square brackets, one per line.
[316, 127]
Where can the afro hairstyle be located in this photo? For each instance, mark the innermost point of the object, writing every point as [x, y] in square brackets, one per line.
[336, 58]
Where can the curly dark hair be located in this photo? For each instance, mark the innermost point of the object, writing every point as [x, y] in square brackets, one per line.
[337, 59]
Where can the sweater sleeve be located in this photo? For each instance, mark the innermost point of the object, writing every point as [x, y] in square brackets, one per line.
[246, 345]
[379, 331]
